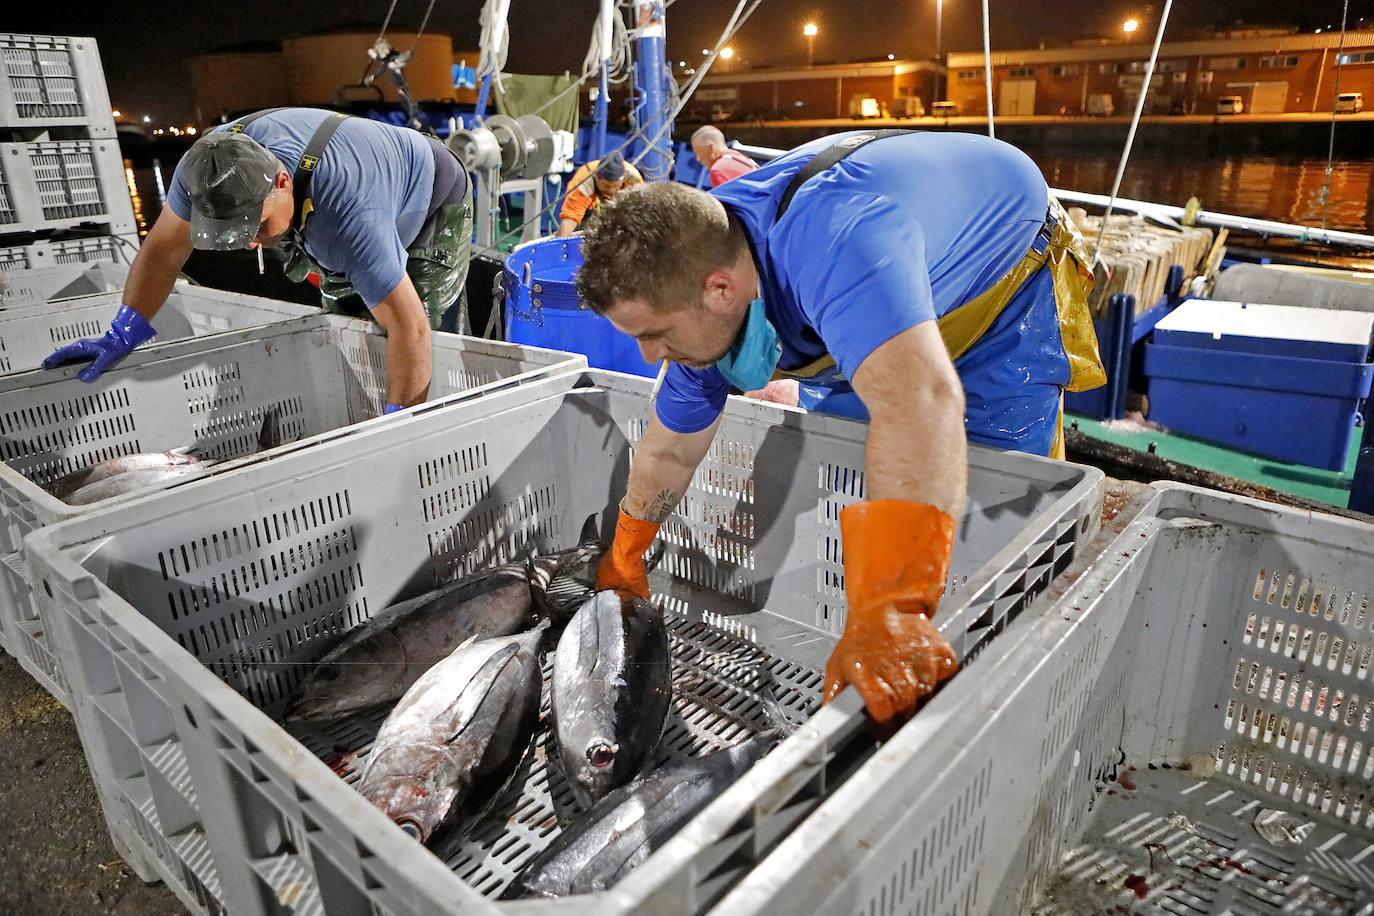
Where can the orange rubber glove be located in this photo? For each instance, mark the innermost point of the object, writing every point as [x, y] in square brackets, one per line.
[622, 567]
[896, 555]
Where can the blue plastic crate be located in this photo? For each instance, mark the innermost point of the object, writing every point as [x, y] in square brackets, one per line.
[1298, 410]
[1281, 381]
[543, 309]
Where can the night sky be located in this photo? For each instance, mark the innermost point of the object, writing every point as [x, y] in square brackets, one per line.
[145, 44]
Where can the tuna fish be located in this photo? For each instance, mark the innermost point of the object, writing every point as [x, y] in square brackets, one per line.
[132, 473]
[125, 475]
[612, 685]
[456, 738]
[378, 661]
[623, 829]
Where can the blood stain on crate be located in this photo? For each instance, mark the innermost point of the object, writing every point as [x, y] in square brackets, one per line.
[1139, 884]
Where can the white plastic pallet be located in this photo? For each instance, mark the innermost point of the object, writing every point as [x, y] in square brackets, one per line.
[96, 249]
[59, 184]
[320, 374]
[1112, 756]
[185, 623]
[53, 81]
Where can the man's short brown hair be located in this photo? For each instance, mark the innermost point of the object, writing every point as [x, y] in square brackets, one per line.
[656, 243]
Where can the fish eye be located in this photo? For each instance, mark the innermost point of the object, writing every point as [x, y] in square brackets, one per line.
[411, 828]
[601, 755]
[327, 672]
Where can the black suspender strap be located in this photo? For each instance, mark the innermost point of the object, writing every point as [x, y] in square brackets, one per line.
[305, 171]
[238, 126]
[828, 157]
[310, 160]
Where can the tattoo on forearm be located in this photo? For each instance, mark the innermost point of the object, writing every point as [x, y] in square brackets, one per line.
[661, 506]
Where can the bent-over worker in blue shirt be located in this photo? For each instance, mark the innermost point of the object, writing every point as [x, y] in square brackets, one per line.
[382, 214]
[925, 281]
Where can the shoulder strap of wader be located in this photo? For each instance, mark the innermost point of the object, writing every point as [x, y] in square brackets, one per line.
[238, 126]
[305, 170]
[819, 163]
[828, 157]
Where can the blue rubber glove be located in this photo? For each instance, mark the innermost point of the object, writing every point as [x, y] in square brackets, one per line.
[128, 330]
[392, 408]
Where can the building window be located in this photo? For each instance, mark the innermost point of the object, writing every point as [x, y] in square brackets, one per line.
[1365, 58]
[1021, 73]
[1172, 66]
[1137, 66]
[969, 75]
[1108, 68]
[1064, 70]
[1227, 63]
[1179, 78]
[1280, 62]
[1204, 81]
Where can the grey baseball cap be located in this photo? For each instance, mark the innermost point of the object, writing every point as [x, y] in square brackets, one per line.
[228, 176]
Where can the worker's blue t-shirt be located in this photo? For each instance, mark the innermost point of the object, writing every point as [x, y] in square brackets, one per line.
[370, 193]
[900, 232]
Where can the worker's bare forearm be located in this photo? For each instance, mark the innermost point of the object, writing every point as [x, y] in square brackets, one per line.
[159, 261]
[408, 350]
[916, 449]
[566, 227]
[663, 467]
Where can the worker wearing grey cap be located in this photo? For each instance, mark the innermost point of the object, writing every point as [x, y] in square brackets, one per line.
[382, 214]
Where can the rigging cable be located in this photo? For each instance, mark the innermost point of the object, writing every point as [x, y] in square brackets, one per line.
[987, 63]
[1331, 143]
[1130, 135]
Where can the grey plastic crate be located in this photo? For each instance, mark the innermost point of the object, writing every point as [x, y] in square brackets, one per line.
[58, 184]
[53, 81]
[62, 281]
[321, 374]
[186, 621]
[29, 335]
[1114, 754]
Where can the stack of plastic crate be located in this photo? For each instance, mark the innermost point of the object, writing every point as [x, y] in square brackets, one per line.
[63, 193]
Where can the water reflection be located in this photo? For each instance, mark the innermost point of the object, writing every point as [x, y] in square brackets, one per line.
[1288, 189]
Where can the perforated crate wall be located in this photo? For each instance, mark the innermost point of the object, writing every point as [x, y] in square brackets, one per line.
[1209, 667]
[57, 184]
[62, 281]
[53, 81]
[241, 579]
[317, 374]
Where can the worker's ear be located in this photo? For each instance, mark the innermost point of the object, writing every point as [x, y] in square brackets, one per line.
[283, 179]
[718, 293]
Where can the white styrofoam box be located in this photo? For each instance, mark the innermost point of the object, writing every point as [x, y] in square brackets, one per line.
[53, 81]
[58, 184]
[30, 335]
[1284, 322]
[320, 374]
[1210, 667]
[185, 623]
[62, 281]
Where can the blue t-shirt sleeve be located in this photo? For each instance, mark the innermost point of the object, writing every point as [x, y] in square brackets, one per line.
[873, 282]
[366, 241]
[177, 197]
[690, 399]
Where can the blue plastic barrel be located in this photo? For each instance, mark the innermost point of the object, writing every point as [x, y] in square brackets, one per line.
[542, 308]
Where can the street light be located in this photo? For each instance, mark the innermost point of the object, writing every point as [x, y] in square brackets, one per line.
[725, 55]
[810, 30]
[1130, 25]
